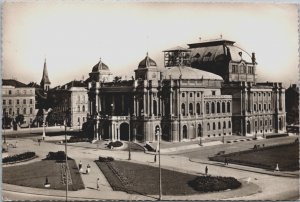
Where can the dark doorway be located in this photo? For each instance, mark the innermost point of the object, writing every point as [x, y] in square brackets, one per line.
[124, 131]
[248, 127]
[199, 130]
[184, 132]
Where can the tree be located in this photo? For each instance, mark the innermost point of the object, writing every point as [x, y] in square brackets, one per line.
[20, 119]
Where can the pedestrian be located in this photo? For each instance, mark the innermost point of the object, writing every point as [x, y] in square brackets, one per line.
[98, 184]
[39, 141]
[88, 170]
[206, 170]
[80, 166]
[155, 158]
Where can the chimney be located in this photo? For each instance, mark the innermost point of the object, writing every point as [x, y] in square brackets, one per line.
[253, 58]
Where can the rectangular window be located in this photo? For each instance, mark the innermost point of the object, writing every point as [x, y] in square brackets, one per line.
[4, 102]
[213, 92]
[24, 111]
[18, 101]
[9, 102]
[198, 94]
[183, 94]
[9, 92]
[24, 101]
[30, 101]
[191, 94]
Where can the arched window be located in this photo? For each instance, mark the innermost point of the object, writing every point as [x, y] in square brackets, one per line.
[83, 108]
[213, 108]
[224, 124]
[219, 125]
[229, 124]
[208, 126]
[214, 126]
[198, 108]
[218, 107]
[183, 109]
[223, 107]
[191, 108]
[228, 107]
[207, 108]
[259, 107]
[78, 108]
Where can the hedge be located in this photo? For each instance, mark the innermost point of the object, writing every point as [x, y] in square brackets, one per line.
[214, 183]
[115, 144]
[59, 156]
[18, 157]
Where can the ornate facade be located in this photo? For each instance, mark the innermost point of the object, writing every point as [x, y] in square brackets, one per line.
[258, 107]
[182, 102]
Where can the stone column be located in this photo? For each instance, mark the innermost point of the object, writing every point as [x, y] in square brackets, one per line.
[171, 102]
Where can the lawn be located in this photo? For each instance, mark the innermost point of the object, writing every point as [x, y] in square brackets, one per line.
[287, 157]
[142, 179]
[34, 175]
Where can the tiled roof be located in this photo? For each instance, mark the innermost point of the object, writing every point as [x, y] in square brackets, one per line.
[71, 84]
[13, 82]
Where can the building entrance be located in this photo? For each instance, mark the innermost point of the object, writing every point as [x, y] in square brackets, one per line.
[124, 131]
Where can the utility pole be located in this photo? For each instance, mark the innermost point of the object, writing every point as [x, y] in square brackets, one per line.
[66, 166]
[160, 187]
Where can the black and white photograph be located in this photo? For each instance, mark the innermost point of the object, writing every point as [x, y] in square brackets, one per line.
[149, 101]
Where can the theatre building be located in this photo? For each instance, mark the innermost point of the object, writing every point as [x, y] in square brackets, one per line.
[258, 107]
[183, 103]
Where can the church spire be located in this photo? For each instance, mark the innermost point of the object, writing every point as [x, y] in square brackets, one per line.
[45, 82]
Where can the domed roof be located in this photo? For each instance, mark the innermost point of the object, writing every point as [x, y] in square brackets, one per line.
[147, 62]
[185, 72]
[100, 66]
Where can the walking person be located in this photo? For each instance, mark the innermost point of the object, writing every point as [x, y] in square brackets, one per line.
[80, 166]
[88, 169]
[206, 170]
[155, 158]
[98, 184]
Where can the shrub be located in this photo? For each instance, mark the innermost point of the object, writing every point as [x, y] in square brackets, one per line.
[115, 144]
[214, 183]
[19, 157]
[59, 156]
[74, 139]
[106, 159]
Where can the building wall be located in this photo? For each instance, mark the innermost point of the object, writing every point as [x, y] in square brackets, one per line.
[19, 101]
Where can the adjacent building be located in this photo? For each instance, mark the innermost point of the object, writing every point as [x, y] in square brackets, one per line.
[18, 99]
[69, 100]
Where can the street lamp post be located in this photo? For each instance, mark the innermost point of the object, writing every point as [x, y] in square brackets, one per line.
[160, 187]
[129, 147]
[66, 166]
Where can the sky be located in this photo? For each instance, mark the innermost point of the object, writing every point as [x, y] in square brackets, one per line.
[73, 35]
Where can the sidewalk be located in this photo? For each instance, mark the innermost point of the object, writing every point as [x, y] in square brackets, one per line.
[294, 174]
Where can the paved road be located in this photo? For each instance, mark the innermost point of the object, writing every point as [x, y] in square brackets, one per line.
[272, 187]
